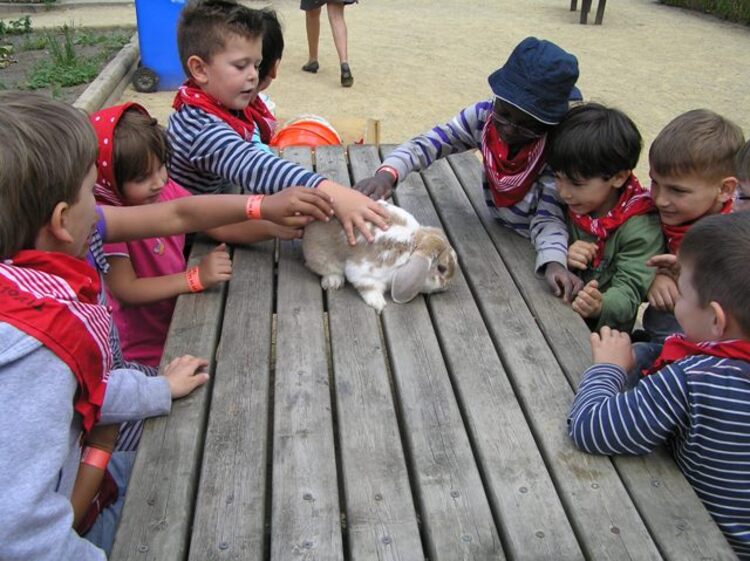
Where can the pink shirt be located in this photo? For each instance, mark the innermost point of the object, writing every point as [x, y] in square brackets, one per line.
[143, 329]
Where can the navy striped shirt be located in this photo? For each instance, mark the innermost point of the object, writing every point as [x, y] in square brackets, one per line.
[540, 215]
[208, 155]
[700, 406]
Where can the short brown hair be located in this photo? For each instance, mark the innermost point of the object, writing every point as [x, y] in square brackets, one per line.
[699, 142]
[742, 162]
[205, 24]
[47, 149]
[139, 142]
[717, 248]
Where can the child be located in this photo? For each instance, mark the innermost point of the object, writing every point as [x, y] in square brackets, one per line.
[211, 131]
[742, 198]
[613, 227]
[696, 401]
[55, 375]
[692, 175]
[531, 93]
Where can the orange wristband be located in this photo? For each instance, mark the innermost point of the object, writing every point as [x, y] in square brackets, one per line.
[194, 280]
[391, 170]
[95, 457]
[252, 208]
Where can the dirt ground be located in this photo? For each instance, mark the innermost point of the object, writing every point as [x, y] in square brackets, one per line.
[418, 62]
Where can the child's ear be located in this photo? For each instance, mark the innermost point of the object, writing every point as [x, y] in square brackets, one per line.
[198, 70]
[59, 222]
[727, 189]
[721, 320]
[620, 178]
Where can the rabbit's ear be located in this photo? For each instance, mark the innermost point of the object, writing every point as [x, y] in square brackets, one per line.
[409, 279]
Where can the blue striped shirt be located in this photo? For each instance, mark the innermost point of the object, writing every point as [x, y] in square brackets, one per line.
[540, 215]
[700, 406]
[207, 155]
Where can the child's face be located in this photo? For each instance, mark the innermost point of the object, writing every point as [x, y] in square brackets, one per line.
[742, 196]
[514, 126]
[232, 75]
[696, 320]
[595, 196]
[81, 217]
[683, 199]
[146, 190]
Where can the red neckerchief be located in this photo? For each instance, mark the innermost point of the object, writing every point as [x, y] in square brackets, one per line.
[674, 234]
[510, 178]
[244, 123]
[53, 297]
[104, 123]
[263, 118]
[676, 347]
[634, 200]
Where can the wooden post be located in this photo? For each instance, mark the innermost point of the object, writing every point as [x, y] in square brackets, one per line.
[585, 8]
[573, 5]
[600, 12]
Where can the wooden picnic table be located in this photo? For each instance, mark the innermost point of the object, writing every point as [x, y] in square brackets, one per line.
[434, 431]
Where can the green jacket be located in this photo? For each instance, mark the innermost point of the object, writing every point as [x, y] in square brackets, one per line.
[624, 278]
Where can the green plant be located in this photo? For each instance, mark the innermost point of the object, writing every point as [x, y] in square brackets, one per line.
[34, 43]
[20, 26]
[6, 55]
[733, 10]
[64, 67]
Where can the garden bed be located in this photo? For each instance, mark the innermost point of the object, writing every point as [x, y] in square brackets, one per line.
[732, 10]
[61, 62]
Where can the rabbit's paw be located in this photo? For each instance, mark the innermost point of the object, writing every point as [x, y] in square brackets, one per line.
[374, 299]
[333, 282]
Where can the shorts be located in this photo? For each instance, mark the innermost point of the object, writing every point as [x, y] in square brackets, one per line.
[315, 4]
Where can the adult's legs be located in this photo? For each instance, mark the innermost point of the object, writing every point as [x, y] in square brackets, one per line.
[338, 28]
[312, 24]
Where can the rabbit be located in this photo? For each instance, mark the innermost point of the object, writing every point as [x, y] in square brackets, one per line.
[407, 258]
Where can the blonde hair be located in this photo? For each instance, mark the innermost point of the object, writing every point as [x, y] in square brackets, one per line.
[699, 142]
[48, 147]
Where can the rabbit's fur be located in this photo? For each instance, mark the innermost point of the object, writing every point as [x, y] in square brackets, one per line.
[407, 258]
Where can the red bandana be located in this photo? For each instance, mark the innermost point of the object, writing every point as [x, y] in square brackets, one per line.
[634, 200]
[676, 347]
[674, 234]
[104, 123]
[254, 114]
[53, 298]
[510, 178]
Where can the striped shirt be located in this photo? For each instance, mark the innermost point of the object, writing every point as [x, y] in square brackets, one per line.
[540, 215]
[207, 155]
[700, 406]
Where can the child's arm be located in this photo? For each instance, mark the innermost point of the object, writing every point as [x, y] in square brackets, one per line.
[131, 290]
[663, 292]
[355, 210]
[253, 231]
[294, 208]
[602, 420]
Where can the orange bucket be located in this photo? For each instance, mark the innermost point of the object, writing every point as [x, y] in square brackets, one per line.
[307, 130]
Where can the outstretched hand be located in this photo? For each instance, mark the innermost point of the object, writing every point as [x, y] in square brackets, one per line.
[355, 210]
[379, 186]
[562, 282]
[295, 207]
[184, 374]
[612, 347]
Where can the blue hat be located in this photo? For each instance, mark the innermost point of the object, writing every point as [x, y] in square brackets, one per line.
[538, 78]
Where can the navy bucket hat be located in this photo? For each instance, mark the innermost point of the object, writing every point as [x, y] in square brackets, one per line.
[539, 78]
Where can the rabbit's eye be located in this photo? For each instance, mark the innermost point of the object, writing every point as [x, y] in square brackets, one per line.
[442, 269]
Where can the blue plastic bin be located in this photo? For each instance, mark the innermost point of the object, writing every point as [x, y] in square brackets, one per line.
[157, 38]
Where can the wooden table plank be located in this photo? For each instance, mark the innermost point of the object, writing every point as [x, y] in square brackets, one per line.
[676, 518]
[602, 514]
[305, 514]
[157, 516]
[380, 513]
[229, 518]
[531, 519]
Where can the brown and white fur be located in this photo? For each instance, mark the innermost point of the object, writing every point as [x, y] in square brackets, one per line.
[407, 258]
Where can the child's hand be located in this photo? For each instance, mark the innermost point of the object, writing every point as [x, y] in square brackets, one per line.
[663, 292]
[666, 264]
[379, 186]
[183, 376]
[588, 302]
[296, 207]
[215, 267]
[561, 281]
[580, 254]
[354, 210]
[612, 347]
[285, 232]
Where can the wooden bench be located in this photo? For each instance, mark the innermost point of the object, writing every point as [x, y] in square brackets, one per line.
[586, 8]
[434, 431]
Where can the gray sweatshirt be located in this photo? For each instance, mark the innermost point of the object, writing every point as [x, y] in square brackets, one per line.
[40, 445]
